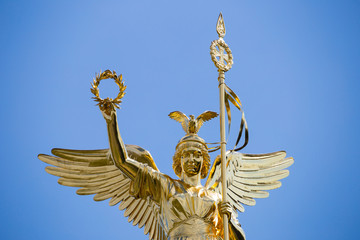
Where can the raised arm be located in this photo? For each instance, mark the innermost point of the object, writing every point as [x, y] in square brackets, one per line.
[147, 180]
[118, 151]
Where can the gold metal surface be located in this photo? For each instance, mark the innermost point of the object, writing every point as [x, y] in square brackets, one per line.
[172, 209]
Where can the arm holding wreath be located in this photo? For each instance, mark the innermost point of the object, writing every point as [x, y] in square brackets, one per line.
[117, 147]
[108, 108]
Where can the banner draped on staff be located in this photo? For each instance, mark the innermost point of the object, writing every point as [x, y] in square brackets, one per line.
[231, 97]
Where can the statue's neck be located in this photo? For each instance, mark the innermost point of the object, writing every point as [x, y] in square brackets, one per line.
[191, 180]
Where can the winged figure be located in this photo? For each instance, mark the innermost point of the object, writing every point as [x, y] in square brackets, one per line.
[173, 209]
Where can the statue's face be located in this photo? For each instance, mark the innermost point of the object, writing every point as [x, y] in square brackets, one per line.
[191, 161]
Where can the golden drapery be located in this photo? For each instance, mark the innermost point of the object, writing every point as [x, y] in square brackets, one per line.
[186, 212]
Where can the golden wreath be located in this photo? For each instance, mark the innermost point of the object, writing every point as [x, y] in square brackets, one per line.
[118, 80]
[221, 66]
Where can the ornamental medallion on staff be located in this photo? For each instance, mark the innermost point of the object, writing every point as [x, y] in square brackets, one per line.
[175, 209]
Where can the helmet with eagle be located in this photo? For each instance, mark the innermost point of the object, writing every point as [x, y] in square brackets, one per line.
[191, 140]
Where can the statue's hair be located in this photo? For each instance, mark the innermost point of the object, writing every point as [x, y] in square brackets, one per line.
[177, 157]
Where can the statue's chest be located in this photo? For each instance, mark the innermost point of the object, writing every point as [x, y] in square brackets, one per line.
[192, 202]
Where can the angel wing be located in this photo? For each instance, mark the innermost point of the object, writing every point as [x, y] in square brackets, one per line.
[205, 116]
[181, 118]
[95, 173]
[248, 176]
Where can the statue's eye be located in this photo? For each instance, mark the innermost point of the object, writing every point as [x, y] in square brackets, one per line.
[197, 154]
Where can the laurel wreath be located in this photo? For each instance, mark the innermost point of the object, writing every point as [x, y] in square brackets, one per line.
[221, 66]
[118, 80]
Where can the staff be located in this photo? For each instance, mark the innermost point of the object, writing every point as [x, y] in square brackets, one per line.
[222, 57]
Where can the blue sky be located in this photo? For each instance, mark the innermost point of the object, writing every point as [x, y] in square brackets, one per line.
[296, 70]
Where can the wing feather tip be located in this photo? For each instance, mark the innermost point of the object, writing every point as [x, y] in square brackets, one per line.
[56, 151]
[113, 203]
[80, 191]
[99, 198]
[42, 157]
[61, 182]
[290, 159]
[49, 170]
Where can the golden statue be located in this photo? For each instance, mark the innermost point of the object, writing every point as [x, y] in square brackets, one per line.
[167, 208]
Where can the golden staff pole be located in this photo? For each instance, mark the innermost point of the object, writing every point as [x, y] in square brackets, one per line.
[222, 57]
[223, 149]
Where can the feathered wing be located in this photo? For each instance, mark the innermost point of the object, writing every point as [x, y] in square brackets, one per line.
[249, 176]
[95, 173]
[205, 116]
[181, 118]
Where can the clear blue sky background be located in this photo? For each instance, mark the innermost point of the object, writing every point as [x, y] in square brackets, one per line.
[296, 70]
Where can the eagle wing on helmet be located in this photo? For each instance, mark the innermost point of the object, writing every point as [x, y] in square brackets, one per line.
[181, 118]
[205, 116]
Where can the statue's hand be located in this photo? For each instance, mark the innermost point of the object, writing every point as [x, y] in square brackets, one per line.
[107, 108]
[225, 208]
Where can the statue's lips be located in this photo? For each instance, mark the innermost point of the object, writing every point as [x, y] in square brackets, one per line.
[192, 167]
